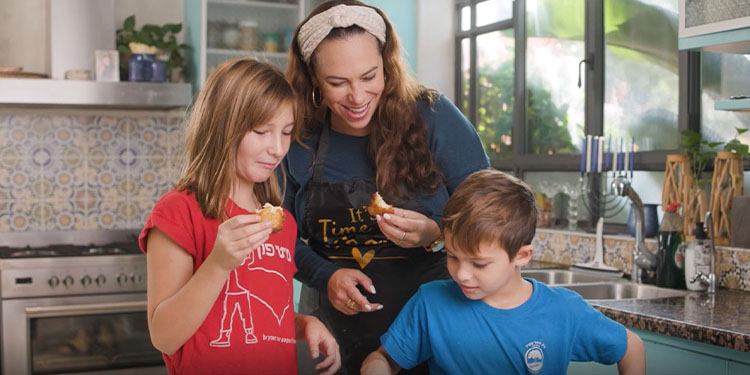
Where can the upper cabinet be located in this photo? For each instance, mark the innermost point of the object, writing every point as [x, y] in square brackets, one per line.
[220, 30]
[721, 26]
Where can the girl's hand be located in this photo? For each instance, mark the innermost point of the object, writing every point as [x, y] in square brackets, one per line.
[344, 295]
[236, 238]
[408, 229]
[321, 342]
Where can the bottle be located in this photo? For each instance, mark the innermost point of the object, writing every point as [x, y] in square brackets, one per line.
[697, 258]
[670, 267]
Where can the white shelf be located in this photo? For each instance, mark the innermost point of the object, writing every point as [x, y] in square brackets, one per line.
[732, 105]
[255, 4]
[240, 53]
[130, 95]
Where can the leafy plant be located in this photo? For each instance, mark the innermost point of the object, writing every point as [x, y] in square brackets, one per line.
[700, 152]
[162, 37]
[736, 146]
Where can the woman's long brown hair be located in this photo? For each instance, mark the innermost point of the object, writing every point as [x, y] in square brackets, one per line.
[241, 94]
[398, 139]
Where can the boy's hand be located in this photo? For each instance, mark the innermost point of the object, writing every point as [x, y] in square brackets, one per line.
[236, 238]
[379, 363]
[344, 295]
[320, 341]
[408, 229]
[634, 360]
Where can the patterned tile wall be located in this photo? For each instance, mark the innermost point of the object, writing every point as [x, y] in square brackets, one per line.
[567, 248]
[85, 170]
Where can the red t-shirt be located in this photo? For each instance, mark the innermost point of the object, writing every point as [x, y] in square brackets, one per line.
[250, 328]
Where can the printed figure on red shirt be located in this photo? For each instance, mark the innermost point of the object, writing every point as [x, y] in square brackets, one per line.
[214, 265]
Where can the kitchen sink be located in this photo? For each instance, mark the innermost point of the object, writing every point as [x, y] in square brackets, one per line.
[622, 290]
[557, 277]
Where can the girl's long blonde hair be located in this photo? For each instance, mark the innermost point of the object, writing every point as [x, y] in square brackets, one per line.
[241, 94]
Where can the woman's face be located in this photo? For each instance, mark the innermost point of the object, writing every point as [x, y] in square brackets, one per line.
[263, 147]
[349, 73]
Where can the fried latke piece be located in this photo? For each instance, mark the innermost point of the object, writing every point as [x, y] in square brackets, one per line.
[273, 214]
[378, 206]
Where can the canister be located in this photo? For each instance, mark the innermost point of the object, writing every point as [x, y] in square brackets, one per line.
[249, 35]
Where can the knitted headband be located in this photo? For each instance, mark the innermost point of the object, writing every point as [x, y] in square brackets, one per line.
[317, 28]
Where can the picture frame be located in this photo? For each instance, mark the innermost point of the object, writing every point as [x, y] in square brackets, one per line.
[107, 65]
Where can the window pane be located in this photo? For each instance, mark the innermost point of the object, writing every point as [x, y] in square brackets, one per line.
[494, 11]
[465, 18]
[465, 75]
[641, 73]
[495, 55]
[554, 45]
[724, 75]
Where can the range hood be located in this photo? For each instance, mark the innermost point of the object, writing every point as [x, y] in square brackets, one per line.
[124, 95]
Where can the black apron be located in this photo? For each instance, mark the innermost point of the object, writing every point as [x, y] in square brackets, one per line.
[342, 231]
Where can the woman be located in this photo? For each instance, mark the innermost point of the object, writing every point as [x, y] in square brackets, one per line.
[367, 127]
[219, 281]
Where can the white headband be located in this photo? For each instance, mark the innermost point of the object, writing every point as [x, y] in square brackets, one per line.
[317, 28]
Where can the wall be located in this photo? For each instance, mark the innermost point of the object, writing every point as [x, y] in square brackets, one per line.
[435, 45]
[24, 31]
[64, 170]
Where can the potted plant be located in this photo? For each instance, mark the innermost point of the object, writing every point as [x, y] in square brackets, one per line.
[695, 202]
[162, 38]
[727, 183]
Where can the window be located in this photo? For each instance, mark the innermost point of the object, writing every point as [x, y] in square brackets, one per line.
[535, 79]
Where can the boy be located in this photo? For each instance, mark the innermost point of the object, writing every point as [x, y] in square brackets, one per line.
[489, 319]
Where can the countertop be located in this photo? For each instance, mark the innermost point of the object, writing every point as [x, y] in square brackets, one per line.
[721, 319]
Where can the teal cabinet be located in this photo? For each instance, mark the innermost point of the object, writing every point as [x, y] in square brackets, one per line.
[670, 355]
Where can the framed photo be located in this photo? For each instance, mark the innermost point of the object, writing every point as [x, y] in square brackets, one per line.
[107, 64]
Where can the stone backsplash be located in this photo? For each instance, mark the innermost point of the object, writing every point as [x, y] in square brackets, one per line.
[567, 248]
[85, 169]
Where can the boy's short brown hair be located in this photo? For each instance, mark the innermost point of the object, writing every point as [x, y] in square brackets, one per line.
[491, 207]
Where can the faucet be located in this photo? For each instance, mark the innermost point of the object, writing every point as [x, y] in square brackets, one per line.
[710, 279]
[642, 257]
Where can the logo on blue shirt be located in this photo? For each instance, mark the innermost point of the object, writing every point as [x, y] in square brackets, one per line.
[534, 356]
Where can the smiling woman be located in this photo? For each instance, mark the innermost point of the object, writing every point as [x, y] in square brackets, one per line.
[367, 127]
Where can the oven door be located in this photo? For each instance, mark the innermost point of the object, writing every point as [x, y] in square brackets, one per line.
[75, 335]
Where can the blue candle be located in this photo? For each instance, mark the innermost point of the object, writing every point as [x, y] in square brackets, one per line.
[608, 153]
[620, 158]
[594, 153]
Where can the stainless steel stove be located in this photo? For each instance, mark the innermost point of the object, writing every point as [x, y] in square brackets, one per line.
[74, 303]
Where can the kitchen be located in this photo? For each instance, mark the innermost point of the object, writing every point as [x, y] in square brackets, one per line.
[82, 158]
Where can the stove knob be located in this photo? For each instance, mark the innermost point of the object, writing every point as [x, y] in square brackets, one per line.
[122, 279]
[100, 280]
[136, 278]
[86, 280]
[68, 281]
[54, 281]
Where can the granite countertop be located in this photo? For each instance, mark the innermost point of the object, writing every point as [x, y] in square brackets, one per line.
[721, 319]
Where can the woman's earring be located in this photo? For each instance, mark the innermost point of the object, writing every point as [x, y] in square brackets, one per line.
[317, 103]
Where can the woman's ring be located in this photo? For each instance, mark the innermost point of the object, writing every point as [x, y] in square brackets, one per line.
[402, 237]
[350, 304]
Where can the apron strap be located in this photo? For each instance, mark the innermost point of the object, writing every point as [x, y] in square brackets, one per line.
[322, 152]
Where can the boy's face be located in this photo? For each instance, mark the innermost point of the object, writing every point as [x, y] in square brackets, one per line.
[490, 275]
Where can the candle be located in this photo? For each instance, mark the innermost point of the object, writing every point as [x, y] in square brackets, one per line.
[588, 153]
[626, 159]
[615, 158]
[594, 153]
[632, 155]
[583, 155]
[599, 165]
[609, 153]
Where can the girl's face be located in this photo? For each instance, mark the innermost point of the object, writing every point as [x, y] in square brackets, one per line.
[263, 147]
[349, 72]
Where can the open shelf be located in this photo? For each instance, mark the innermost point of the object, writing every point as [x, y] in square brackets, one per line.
[731, 41]
[733, 105]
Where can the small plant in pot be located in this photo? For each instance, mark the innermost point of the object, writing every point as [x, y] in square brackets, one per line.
[161, 39]
[727, 183]
[695, 203]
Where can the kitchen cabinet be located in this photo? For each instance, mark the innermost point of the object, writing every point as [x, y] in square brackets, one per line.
[220, 30]
[720, 26]
[670, 355]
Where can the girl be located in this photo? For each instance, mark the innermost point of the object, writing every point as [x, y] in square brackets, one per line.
[219, 283]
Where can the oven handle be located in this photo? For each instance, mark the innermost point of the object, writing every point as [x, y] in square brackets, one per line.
[87, 309]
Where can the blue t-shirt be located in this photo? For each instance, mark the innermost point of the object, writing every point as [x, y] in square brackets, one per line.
[462, 336]
[456, 149]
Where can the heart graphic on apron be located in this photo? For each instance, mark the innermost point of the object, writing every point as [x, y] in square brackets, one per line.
[362, 260]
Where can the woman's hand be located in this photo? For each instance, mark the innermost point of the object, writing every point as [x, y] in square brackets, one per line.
[320, 341]
[408, 229]
[236, 238]
[344, 295]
